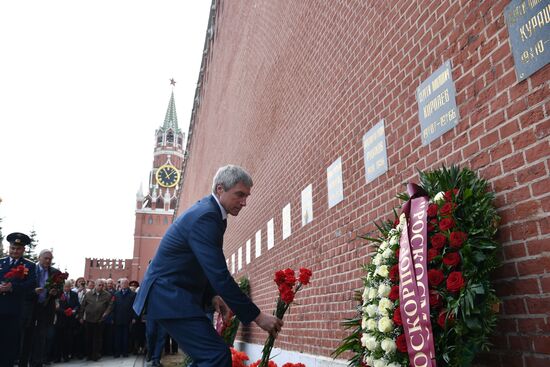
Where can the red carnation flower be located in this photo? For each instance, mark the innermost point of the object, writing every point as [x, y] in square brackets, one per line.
[432, 210]
[447, 209]
[446, 224]
[394, 273]
[401, 343]
[435, 299]
[290, 277]
[457, 238]
[287, 296]
[435, 277]
[279, 277]
[451, 259]
[397, 317]
[432, 253]
[396, 222]
[68, 312]
[438, 241]
[455, 281]
[394, 293]
[305, 274]
[450, 194]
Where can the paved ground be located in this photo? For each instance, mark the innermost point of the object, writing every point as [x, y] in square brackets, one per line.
[132, 361]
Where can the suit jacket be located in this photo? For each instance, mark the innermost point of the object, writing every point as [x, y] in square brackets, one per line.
[190, 266]
[11, 303]
[45, 312]
[123, 313]
[64, 321]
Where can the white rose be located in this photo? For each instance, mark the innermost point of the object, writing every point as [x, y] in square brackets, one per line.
[364, 322]
[385, 325]
[383, 271]
[383, 245]
[384, 290]
[364, 339]
[440, 197]
[387, 253]
[371, 310]
[388, 345]
[394, 240]
[371, 324]
[373, 292]
[384, 306]
[394, 364]
[369, 360]
[380, 363]
[371, 343]
[377, 260]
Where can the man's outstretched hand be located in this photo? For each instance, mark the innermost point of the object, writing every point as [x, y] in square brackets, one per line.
[221, 307]
[269, 323]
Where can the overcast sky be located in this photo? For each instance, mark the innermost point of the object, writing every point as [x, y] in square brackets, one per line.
[83, 86]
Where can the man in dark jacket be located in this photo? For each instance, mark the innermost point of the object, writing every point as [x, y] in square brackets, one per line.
[14, 287]
[123, 316]
[66, 323]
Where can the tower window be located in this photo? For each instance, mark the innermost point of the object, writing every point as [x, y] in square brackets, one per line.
[170, 137]
[159, 139]
[150, 220]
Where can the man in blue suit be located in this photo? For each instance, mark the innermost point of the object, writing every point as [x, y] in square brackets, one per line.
[13, 290]
[190, 265]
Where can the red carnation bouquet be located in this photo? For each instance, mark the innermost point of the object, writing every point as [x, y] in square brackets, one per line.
[56, 281]
[288, 287]
[19, 272]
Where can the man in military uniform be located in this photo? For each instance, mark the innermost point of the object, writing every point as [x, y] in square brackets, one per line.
[12, 293]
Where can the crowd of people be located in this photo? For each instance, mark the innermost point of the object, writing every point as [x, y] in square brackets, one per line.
[80, 319]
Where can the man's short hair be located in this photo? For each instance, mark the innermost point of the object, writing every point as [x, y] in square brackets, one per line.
[230, 175]
[45, 251]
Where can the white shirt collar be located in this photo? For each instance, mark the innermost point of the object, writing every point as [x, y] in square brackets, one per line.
[224, 213]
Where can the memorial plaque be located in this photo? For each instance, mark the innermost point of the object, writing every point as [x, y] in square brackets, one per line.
[258, 243]
[248, 246]
[270, 234]
[307, 205]
[335, 185]
[240, 258]
[286, 221]
[233, 263]
[528, 24]
[374, 150]
[436, 98]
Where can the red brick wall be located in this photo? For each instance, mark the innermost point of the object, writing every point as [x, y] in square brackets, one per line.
[107, 268]
[289, 87]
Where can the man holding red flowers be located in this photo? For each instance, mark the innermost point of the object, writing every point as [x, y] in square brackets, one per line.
[17, 280]
[190, 266]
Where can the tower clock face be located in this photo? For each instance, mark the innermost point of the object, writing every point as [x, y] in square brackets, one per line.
[168, 176]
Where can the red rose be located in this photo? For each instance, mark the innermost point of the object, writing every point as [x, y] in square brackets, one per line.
[435, 299]
[432, 253]
[394, 273]
[401, 343]
[455, 281]
[397, 317]
[450, 194]
[457, 238]
[438, 241]
[447, 209]
[432, 210]
[279, 277]
[305, 274]
[451, 259]
[394, 293]
[431, 227]
[290, 278]
[397, 253]
[446, 223]
[435, 277]
[443, 316]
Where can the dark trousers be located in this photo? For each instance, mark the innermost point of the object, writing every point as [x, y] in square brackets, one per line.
[94, 339]
[156, 335]
[79, 342]
[108, 338]
[40, 337]
[10, 339]
[199, 340]
[171, 346]
[122, 333]
[26, 344]
[63, 346]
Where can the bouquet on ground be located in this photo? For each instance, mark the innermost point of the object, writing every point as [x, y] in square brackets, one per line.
[288, 286]
[455, 253]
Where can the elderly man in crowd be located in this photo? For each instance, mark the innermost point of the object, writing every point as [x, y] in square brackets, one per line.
[65, 325]
[123, 316]
[96, 306]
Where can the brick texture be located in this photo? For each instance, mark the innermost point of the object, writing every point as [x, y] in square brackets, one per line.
[287, 87]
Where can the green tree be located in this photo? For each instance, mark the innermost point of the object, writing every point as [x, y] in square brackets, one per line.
[30, 249]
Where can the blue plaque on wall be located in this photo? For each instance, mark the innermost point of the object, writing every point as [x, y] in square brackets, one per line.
[436, 98]
[374, 148]
[528, 24]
